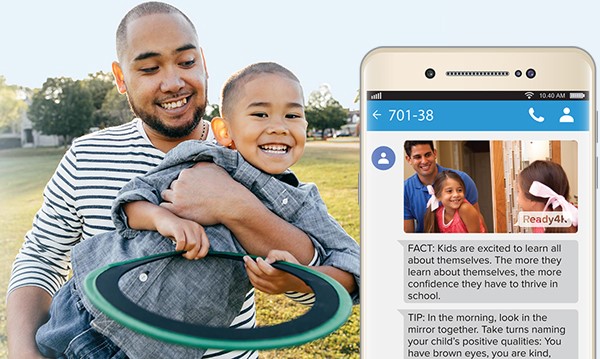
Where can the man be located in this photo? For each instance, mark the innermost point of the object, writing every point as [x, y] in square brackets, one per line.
[161, 68]
[421, 156]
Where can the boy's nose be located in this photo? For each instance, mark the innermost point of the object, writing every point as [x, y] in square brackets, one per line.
[277, 124]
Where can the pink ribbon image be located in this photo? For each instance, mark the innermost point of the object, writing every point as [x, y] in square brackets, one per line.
[432, 202]
[539, 189]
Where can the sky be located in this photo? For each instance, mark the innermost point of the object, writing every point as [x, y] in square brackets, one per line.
[321, 41]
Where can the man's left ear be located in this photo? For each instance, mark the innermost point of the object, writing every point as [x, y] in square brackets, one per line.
[221, 131]
[119, 77]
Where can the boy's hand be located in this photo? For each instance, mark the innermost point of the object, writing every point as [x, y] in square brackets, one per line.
[270, 280]
[187, 235]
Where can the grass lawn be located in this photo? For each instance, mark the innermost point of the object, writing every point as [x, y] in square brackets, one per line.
[334, 168]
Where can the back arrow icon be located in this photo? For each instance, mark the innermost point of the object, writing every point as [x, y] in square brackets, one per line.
[376, 114]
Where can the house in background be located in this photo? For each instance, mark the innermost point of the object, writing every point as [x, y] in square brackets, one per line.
[22, 134]
[352, 127]
[32, 138]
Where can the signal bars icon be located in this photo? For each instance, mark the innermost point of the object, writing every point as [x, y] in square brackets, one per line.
[529, 95]
[376, 96]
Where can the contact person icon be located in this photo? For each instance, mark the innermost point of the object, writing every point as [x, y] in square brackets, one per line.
[383, 158]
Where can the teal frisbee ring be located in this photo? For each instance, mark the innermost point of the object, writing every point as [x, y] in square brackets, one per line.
[331, 309]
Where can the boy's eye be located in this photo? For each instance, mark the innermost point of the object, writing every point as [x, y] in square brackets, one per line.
[149, 70]
[292, 115]
[260, 114]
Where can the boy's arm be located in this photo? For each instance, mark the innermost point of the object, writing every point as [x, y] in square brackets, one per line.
[142, 215]
[188, 235]
[207, 194]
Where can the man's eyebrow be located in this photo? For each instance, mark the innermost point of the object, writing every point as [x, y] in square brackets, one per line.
[146, 55]
[149, 54]
[185, 48]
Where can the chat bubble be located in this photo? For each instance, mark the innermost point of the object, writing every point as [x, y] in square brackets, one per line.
[491, 334]
[490, 271]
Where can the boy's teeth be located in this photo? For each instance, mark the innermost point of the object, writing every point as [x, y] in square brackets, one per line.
[173, 105]
[275, 148]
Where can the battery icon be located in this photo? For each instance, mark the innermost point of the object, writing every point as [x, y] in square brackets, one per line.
[576, 95]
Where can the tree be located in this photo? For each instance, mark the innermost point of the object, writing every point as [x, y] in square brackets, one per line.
[99, 84]
[115, 109]
[323, 111]
[110, 107]
[212, 111]
[11, 107]
[62, 107]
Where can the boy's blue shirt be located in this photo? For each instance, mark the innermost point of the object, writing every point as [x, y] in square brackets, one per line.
[211, 290]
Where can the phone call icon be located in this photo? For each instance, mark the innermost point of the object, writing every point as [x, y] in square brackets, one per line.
[534, 117]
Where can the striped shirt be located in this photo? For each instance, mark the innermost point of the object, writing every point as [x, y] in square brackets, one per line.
[77, 205]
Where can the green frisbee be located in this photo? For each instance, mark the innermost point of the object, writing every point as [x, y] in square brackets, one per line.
[331, 309]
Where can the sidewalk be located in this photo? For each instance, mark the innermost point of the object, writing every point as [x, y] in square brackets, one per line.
[346, 142]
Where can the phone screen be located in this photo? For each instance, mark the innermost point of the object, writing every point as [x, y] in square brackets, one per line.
[477, 206]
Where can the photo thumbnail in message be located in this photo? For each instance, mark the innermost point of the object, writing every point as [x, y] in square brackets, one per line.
[516, 186]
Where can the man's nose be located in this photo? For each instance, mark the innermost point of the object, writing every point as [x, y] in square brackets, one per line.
[172, 81]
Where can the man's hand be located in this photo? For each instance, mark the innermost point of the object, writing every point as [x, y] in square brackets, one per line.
[203, 194]
[206, 194]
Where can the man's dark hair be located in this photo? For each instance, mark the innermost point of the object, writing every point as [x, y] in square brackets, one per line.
[408, 145]
[141, 10]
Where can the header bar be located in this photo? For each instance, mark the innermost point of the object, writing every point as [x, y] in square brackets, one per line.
[533, 95]
[477, 115]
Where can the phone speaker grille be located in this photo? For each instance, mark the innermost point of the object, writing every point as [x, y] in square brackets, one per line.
[477, 73]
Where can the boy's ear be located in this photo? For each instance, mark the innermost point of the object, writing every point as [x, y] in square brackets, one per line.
[221, 131]
[119, 78]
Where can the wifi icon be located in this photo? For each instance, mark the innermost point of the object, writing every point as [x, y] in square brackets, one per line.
[529, 95]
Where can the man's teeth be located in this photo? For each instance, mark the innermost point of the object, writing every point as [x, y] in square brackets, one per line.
[173, 105]
[275, 148]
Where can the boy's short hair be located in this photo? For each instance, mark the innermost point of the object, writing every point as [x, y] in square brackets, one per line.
[240, 78]
[408, 145]
[141, 10]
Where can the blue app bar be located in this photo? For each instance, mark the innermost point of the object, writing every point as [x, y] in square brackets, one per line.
[481, 115]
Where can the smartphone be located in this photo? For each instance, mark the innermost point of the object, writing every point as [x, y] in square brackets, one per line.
[477, 197]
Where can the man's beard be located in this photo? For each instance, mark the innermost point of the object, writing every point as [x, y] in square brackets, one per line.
[171, 132]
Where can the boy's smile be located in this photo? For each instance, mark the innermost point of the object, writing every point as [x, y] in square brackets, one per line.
[267, 123]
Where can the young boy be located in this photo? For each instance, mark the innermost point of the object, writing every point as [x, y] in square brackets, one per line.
[263, 120]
